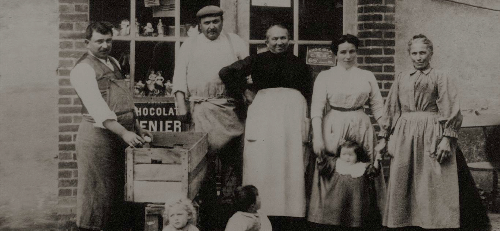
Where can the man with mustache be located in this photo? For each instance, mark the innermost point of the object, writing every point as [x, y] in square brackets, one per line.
[276, 127]
[108, 126]
[212, 108]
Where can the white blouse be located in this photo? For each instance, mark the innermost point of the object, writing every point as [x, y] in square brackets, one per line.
[348, 89]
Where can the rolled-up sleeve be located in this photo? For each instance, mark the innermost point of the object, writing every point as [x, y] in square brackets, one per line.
[83, 79]
[179, 80]
[319, 96]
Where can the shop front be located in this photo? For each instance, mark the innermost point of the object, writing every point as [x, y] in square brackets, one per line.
[149, 33]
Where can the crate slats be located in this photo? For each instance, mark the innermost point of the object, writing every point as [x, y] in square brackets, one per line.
[174, 165]
[158, 172]
[147, 191]
[148, 155]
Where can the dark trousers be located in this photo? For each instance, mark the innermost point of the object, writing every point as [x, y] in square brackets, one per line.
[281, 223]
[225, 170]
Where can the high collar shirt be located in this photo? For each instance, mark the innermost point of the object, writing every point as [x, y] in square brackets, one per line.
[200, 60]
[346, 88]
[83, 79]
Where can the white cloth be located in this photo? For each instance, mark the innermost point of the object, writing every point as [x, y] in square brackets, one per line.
[243, 221]
[346, 89]
[83, 79]
[199, 61]
[355, 170]
[274, 152]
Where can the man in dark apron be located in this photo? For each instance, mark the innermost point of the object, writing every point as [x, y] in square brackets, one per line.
[108, 126]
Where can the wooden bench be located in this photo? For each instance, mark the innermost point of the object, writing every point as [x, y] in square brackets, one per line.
[485, 121]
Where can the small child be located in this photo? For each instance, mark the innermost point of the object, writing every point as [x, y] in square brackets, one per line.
[247, 217]
[343, 192]
[180, 214]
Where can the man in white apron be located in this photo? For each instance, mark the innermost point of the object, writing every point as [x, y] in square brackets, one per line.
[211, 108]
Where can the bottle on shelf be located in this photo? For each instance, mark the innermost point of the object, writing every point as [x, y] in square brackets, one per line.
[160, 29]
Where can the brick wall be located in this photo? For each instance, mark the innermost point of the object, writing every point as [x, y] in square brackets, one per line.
[376, 30]
[73, 20]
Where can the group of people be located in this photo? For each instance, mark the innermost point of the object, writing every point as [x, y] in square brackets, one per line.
[267, 146]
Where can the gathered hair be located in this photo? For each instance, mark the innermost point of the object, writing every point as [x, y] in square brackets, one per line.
[278, 26]
[361, 153]
[349, 38]
[100, 27]
[420, 38]
[186, 203]
[245, 197]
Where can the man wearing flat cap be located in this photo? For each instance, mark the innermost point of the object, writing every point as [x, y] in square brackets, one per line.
[211, 108]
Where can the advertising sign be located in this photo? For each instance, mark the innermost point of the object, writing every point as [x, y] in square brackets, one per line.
[320, 55]
[158, 116]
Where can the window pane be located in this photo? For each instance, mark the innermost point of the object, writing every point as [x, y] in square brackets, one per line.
[189, 8]
[121, 52]
[148, 18]
[262, 17]
[113, 11]
[320, 19]
[154, 68]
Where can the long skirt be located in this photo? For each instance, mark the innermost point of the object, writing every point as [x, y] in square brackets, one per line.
[421, 191]
[339, 126]
[101, 178]
[274, 152]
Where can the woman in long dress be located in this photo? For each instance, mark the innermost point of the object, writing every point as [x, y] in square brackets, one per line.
[421, 120]
[345, 89]
[276, 127]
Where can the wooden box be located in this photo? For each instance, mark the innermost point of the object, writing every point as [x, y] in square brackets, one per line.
[175, 164]
[153, 217]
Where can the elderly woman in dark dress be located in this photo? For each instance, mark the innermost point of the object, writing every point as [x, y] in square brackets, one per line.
[429, 184]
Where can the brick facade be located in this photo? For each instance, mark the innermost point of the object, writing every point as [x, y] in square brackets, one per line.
[73, 19]
[376, 30]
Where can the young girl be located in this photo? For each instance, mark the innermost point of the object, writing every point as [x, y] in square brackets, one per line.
[247, 217]
[343, 193]
[180, 215]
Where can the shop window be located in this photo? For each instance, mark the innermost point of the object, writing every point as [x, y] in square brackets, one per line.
[311, 23]
[147, 38]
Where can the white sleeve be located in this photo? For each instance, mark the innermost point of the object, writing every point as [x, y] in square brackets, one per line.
[265, 223]
[319, 95]
[235, 224]
[179, 80]
[240, 46]
[83, 80]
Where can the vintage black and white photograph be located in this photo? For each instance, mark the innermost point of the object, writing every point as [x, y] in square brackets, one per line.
[249, 115]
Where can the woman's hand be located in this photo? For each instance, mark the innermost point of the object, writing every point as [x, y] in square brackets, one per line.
[318, 146]
[381, 147]
[132, 139]
[443, 150]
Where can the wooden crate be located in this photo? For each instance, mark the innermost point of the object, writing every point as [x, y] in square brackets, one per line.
[175, 164]
[153, 217]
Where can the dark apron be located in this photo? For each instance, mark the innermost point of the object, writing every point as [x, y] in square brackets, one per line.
[101, 156]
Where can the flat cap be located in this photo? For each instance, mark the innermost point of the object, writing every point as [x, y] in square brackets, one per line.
[209, 10]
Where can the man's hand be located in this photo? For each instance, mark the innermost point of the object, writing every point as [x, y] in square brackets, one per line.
[443, 151]
[144, 132]
[318, 146]
[132, 139]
